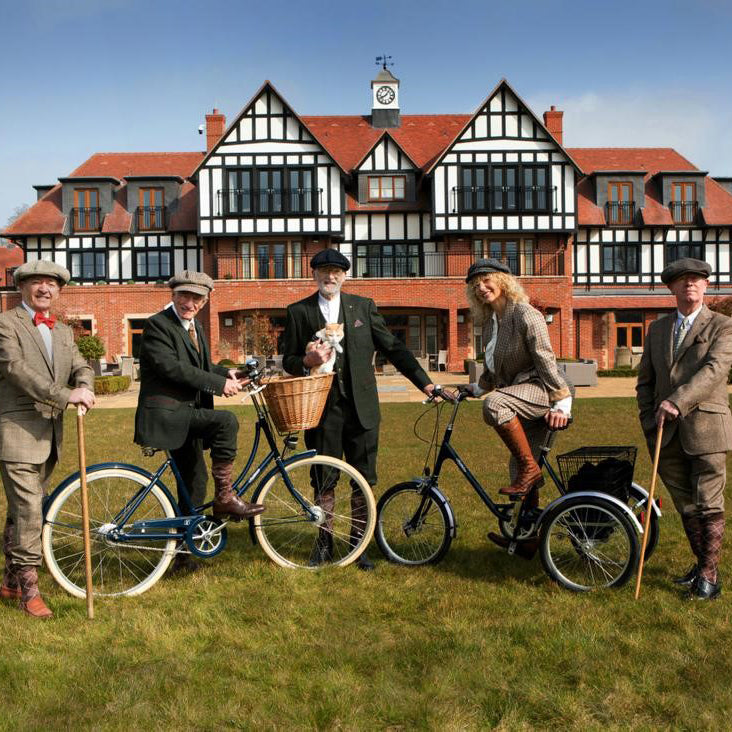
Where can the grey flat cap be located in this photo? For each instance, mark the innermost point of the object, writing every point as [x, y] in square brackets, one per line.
[190, 281]
[330, 258]
[685, 266]
[486, 266]
[41, 268]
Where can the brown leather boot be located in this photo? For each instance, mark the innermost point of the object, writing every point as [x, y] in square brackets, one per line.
[524, 549]
[31, 601]
[226, 502]
[528, 474]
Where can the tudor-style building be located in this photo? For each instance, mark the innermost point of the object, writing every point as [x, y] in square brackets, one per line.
[411, 200]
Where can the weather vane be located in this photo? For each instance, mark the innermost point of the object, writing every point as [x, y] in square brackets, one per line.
[384, 61]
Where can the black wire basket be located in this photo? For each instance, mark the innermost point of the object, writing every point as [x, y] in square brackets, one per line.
[605, 469]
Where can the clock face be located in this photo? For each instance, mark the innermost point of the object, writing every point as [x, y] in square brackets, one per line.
[385, 95]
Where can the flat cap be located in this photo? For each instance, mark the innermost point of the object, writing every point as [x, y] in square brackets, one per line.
[190, 281]
[330, 258]
[685, 266]
[42, 268]
[486, 266]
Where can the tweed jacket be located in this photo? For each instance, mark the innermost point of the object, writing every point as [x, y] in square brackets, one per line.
[174, 379]
[364, 332]
[34, 391]
[524, 356]
[695, 381]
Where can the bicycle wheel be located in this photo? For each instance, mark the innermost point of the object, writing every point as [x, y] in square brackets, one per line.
[345, 513]
[588, 543]
[118, 568]
[638, 504]
[412, 528]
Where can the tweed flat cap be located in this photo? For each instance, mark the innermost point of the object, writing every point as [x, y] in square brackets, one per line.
[486, 266]
[330, 258]
[685, 266]
[190, 281]
[42, 268]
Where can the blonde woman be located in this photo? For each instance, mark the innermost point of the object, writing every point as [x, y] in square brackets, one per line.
[520, 376]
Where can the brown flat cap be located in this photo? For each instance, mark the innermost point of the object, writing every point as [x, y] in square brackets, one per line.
[685, 266]
[41, 268]
[190, 281]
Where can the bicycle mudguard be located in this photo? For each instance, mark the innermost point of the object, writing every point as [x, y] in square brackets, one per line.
[436, 495]
[606, 497]
[644, 493]
[106, 466]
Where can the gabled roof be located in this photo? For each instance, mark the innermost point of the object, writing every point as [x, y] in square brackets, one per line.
[379, 140]
[43, 217]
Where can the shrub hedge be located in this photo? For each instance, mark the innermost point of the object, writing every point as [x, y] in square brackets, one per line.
[111, 384]
[618, 372]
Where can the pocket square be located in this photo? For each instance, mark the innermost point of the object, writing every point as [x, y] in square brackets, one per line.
[358, 324]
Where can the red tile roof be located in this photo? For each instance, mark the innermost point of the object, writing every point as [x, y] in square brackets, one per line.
[118, 165]
[119, 219]
[44, 217]
[718, 209]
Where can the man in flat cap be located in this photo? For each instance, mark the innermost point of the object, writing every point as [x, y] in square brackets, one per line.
[175, 407]
[41, 373]
[682, 384]
[350, 423]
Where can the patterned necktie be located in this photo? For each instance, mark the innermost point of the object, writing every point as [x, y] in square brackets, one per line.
[192, 335]
[39, 318]
[680, 333]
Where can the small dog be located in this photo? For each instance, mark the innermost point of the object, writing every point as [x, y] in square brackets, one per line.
[332, 334]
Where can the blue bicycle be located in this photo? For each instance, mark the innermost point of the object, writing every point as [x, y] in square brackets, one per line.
[137, 526]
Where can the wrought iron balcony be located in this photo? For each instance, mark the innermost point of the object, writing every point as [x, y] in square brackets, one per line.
[502, 199]
[86, 219]
[269, 201]
[620, 213]
[151, 218]
[684, 212]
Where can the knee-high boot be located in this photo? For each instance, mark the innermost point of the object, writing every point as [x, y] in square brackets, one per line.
[528, 474]
[31, 601]
[226, 502]
[712, 536]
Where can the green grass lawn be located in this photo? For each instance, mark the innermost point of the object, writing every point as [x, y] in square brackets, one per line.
[481, 640]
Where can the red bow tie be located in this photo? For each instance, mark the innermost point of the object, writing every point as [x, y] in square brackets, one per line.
[39, 318]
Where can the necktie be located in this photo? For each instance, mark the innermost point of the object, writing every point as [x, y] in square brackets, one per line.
[192, 335]
[680, 333]
[39, 318]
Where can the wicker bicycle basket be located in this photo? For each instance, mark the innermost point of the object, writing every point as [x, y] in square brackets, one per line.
[297, 403]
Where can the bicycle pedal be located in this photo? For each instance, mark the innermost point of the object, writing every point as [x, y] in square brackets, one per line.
[511, 548]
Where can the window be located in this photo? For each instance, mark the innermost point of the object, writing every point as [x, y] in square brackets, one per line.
[535, 189]
[388, 260]
[620, 258]
[680, 251]
[629, 329]
[474, 189]
[301, 191]
[86, 212]
[268, 191]
[271, 260]
[151, 213]
[153, 264]
[683, 202]
[504, 188]
[387, 188]
[88, 266]
[518, 254]
[620, 205]
[238, 197]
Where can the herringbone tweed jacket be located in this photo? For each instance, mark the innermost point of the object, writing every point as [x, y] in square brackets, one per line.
[695, 381]
[33, 391]
[524, 356]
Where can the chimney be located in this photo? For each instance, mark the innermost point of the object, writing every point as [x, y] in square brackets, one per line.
[215, 126]
[553, 122]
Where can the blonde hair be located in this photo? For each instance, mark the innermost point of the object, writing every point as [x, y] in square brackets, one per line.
[510, 287]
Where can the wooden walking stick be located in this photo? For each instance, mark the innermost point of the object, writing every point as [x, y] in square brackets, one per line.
[80, 411]
[649, 508]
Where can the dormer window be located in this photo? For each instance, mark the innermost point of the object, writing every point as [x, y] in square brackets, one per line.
[683, 203]
[86, 214]
[151, 212]
[620, 205]
[387, 187]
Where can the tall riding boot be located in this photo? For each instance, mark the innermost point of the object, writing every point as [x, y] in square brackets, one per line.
[529, 474]
[31, 601]
[226, 502]
[9, 590]
[359, 515]
[713, 534]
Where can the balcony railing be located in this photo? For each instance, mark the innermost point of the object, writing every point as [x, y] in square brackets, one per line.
[503, 199]
[268, 201]
[86, 219]
[684, 212]
[620, 213]
[406, 266]
[151, 218]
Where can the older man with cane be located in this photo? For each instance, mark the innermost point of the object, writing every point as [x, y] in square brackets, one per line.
[41, 372]
[682, 385]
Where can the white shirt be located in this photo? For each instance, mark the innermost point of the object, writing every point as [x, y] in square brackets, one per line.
[330, 308]
[44, 331]
[690, 318]
[187, 324]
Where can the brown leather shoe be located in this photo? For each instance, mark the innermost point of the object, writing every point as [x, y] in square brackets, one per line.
[529, 473]
[524, 549]
[229, 504]
[36, 608]
[9, 593]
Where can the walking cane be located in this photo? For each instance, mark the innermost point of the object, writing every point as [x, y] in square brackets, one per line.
[80, 411]
[649, 509]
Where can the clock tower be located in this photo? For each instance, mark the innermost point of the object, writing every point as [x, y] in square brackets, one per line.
[385, 100]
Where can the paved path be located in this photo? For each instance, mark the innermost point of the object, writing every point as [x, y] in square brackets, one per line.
[395, 389]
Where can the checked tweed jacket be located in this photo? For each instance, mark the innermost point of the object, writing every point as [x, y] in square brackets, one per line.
[695, 381]
[523, 357]
[33, 391]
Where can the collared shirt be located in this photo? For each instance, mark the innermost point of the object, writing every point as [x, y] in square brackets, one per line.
[186, 324]
[330, 308]
[44, 331]
[690, 318]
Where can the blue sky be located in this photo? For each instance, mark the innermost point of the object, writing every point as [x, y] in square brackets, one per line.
[85, 76]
